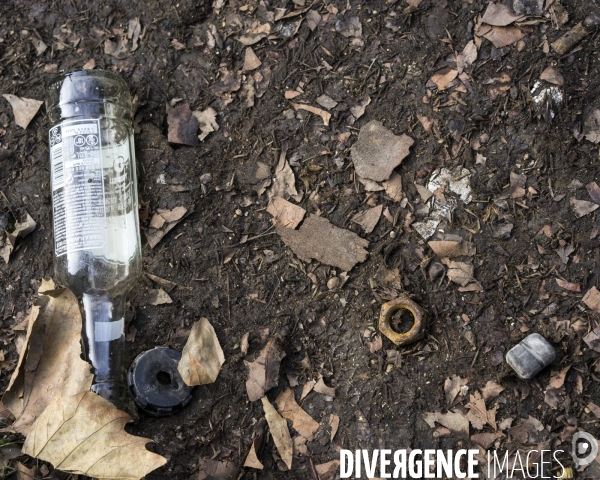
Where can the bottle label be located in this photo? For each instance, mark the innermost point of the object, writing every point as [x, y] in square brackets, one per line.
[109, 331]
[91, 183]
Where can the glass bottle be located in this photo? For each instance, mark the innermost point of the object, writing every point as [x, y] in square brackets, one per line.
[97, 253]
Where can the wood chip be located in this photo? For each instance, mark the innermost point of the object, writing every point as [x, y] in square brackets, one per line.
[326, 102]
[570, 39]
[320, 240]
[592, 299]
[378, 151]
[326, 116]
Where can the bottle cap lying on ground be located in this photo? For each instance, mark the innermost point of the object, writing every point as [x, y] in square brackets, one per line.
[97, 253]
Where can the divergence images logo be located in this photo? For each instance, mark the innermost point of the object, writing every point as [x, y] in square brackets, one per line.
[585, 449]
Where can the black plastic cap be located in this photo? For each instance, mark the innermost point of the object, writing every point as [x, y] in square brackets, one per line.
[155, 384]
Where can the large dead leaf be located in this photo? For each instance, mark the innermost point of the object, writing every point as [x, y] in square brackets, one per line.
[302, 422]
[317, 238]
[24, 109]
[328, 471]
[453, 420]
[499, 14]
[478, 414]
[263, 373]
[279, 431]
[50, 362]
[84, 434]
[202, 356]
[369, 218]
[378, 151]
[285, 214]
[452, 387]
[557, 377]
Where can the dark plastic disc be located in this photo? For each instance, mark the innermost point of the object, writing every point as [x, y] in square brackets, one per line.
[155, 384]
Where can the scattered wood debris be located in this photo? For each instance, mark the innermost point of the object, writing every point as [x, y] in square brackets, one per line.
[162, 223]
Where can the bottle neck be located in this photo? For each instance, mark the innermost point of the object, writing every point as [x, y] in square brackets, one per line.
[104, 338]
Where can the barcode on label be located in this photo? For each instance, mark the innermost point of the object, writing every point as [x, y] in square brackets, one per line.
[58, 168]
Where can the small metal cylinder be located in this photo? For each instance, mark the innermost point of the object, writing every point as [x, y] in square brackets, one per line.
[531, 356]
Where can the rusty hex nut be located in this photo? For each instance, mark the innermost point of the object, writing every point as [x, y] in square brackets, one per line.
[417, 331]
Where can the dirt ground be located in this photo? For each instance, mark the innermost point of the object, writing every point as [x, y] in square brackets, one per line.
[231, 266]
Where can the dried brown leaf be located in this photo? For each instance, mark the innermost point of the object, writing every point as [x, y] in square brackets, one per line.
[284, 185]
[368, 219]
[452, 387]
[207, 122]
[582, 207]
[465, 58]
[317, 238]
[448, 248]
[279, 431]
[491, 390]
[459, 272]
[158, 297]
[378, 151]
[202, 355]
[326, 116]
[478, 414]
[444, 78]
[285, 214]
[251, 61]
[83, 434]
[499, 14]
[263, 373]
[529, 431]
[393, 187]
[302, 422]
[328, 471]
[453, 420]
[323, 389]
[216, 469]
[504, 36]
[334, 423]
[24, 109]
[592, 339]
[486, 440]
[572, 287]
[592, 299]
[50, 362]
[552, 75]
[252, 460]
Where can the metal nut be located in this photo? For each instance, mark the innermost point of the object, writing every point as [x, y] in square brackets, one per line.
[417, 331]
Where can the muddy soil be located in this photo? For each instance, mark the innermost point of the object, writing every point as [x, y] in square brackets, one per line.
[260, 284]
